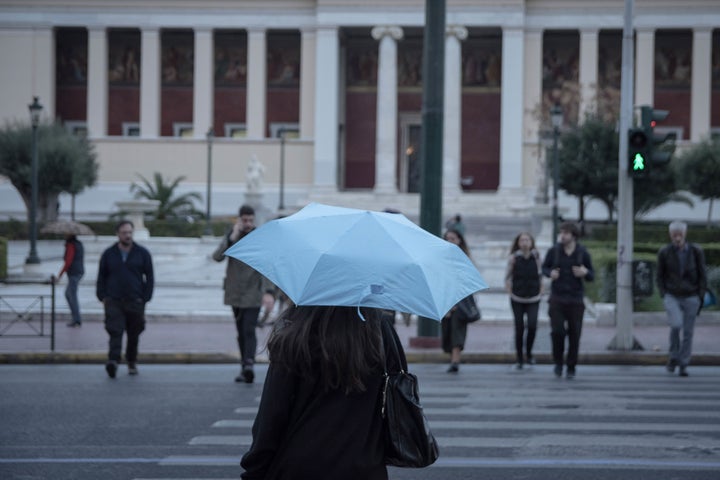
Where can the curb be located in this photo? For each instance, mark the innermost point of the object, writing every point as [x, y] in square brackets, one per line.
[413, 356]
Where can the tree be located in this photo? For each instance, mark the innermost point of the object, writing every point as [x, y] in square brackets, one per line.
[700, 171]
[588, 163]
[171, 206]
[66, 163]
[589, 168]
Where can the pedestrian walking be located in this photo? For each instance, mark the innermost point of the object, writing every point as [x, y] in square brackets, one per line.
[523, 280]
[125, 283]
[319, 414]
[245, 291]
[567, 264]
[74, 266]
[453, 326]
[682, 281]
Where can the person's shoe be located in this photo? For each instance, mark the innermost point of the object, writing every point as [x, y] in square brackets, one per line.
[132, 368]
[683, 371]
[558, 371]
[111, 368]
[570, 374]
[74, 324]
[530, 360]
[248, 374]
[671, 366]
[453, 368]
[518, 366]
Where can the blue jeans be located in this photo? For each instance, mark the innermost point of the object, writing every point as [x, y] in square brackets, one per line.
[681, 312]
[71, 295]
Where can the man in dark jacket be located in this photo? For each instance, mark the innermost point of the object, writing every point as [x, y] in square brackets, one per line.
[125, 284]
[567, 263]
[682, 281]
[74, 265]
[245, 291]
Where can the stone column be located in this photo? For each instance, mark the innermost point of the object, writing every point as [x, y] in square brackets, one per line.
[43, 78]
[150, 83]
[326, 109]
[307, 85]
[386, 124]
[531, 120]
[256, 84]
[97, 82]
[588, 71]
[511, 114]
[204, 81]
[645, 67]
[452, 138]
[701, 88]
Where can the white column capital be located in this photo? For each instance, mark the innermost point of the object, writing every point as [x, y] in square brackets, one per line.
[457, 31]
[394, 32]
[203, 29]
[256, 30]
[96, 28]
[150, 29]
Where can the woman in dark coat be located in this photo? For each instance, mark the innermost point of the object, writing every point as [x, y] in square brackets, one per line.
[453, 327]
[319, 414]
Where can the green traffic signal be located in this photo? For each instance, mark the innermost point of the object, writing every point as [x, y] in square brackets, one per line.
[637, 152]
[638, 163]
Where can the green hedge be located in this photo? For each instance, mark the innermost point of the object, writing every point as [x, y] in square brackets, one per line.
[652, 233]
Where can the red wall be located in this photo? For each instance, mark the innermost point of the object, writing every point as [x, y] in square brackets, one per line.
[176, 106]
[283, 106]
[678, 103]
[360, 115]
[715, 109]
[71, 103]
[123, 106]
[230, 105]
[481, 140]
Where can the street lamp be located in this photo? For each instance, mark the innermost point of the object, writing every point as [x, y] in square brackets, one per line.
[281, 205]
[209, 136]
[556, 116]
[35, 109]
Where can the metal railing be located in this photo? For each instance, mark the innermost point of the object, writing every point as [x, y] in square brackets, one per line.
[26, 315]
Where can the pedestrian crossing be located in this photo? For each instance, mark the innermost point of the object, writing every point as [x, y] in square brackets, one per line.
[489, 416]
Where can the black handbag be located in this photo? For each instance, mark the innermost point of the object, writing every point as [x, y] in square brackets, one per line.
[408, 439]
[468, 310]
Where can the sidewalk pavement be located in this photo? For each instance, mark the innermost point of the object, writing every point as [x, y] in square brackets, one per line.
[213, 341]
[187, 322]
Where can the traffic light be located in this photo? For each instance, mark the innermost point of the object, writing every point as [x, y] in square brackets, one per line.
[638, 155]
[656, 156]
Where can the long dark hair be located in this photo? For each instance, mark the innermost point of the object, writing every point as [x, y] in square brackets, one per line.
[330, 344]
[516, 243]
[463, 246]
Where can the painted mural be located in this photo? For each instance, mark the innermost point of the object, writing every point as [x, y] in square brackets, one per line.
[673, 59]
[71, 56]
[362, 62]
[231, 58]
[124, 57]
[560, 74]
[482, 61]
[283, 59]
[177, 58]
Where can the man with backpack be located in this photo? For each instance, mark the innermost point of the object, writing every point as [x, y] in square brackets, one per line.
[567, 263]
[682, 281]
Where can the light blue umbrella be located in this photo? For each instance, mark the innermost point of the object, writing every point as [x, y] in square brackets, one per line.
[326, 255]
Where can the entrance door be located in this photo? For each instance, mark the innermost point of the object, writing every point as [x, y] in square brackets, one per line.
[410, 143]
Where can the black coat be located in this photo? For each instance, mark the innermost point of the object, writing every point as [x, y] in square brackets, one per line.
[301, 432]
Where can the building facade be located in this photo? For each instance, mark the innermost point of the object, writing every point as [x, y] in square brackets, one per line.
[327, 94]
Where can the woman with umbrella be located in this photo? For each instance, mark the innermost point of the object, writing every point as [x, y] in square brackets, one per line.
[319, 413]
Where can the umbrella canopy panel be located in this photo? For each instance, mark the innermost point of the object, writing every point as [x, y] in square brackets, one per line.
[325, 255]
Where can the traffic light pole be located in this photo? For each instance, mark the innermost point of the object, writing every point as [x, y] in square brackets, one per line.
[623, 339]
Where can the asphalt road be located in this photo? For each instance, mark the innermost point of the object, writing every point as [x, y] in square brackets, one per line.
[192, 421]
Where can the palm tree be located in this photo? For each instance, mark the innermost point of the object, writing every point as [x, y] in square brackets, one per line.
[171, 206]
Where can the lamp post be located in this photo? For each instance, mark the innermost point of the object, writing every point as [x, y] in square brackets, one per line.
[281, 204]
[35, 109]
[209, 136]
[556, 116]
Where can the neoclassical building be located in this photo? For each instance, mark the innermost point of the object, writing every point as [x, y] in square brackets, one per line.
[327, 94]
